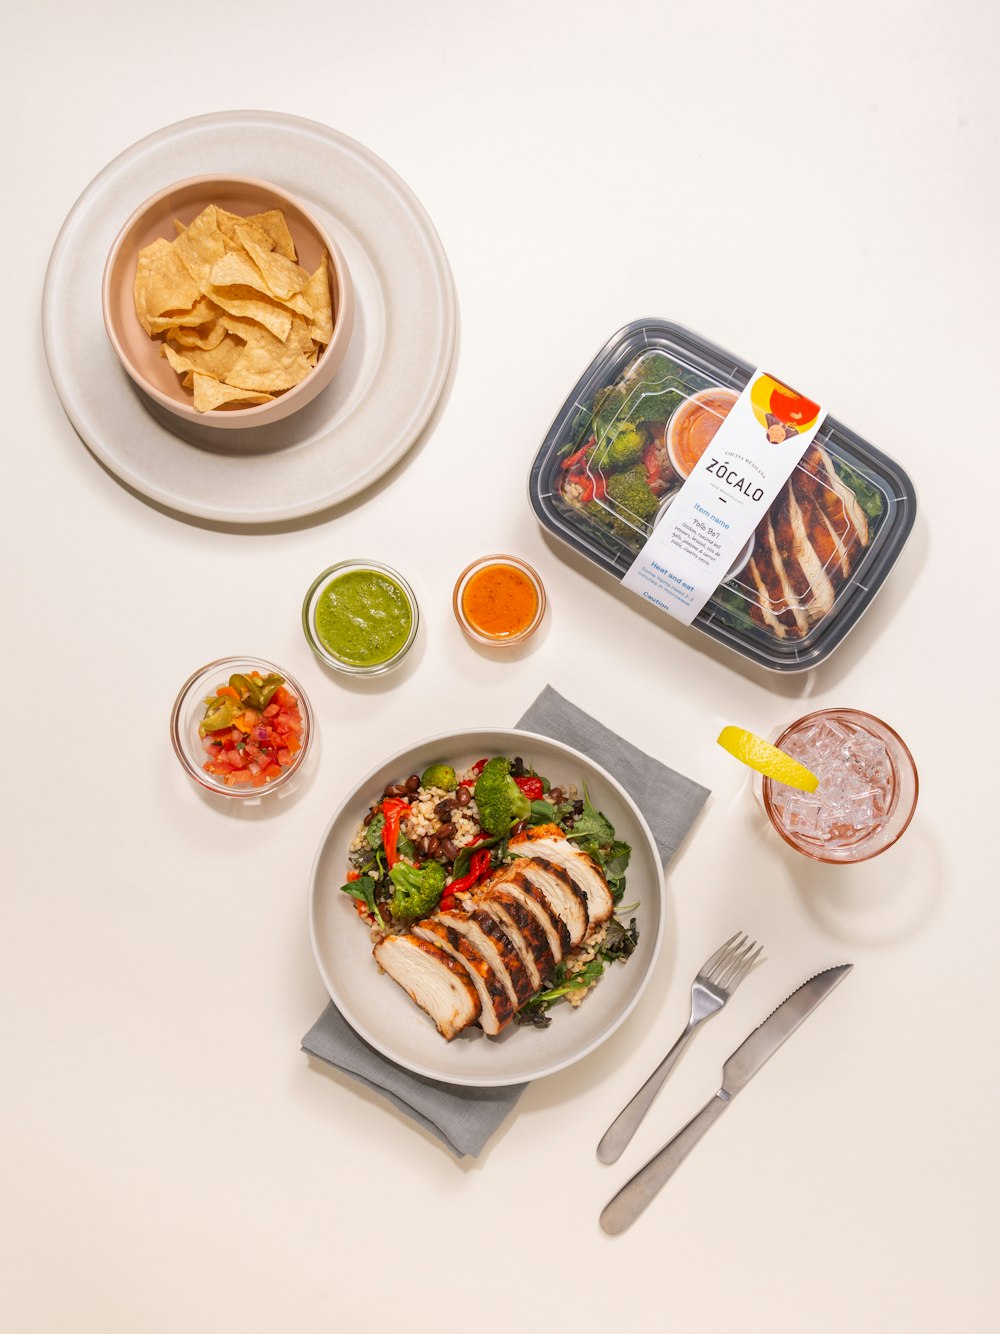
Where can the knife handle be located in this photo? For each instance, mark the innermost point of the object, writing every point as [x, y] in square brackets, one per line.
[626, 1123]
[637, 1193]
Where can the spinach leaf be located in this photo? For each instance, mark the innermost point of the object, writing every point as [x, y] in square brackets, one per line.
[374, 831]
[542, 812]
[869, 497]
[362, 889]
[619, 940]
[591, 826]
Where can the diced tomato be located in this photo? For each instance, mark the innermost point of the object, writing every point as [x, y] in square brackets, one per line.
[258, 745]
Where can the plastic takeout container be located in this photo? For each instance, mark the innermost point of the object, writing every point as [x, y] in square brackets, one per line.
[813, 566]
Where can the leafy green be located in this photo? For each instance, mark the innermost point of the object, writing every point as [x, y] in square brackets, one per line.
[542, 812]
[362, 889]
[589, 973]
[619, 941]
[870, 498]
[373, 834]
[590, 826]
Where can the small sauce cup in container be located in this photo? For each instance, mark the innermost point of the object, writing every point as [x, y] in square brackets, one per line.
[499, 601]
[360, 617]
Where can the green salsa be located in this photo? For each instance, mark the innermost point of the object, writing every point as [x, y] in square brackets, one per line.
[363, 618]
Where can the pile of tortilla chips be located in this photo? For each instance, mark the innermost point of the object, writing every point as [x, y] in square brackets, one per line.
[241, 320]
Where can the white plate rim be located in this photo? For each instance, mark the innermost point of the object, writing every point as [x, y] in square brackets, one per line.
[59, 271]
[344, 1003]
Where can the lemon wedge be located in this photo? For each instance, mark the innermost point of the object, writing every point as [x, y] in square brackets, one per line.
[767, 759]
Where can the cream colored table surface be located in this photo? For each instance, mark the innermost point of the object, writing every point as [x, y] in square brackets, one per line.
[815, 189]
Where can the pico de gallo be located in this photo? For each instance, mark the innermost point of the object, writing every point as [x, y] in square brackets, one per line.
[252, 730]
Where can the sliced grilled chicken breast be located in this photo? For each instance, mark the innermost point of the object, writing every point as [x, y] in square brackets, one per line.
[511, 881]
[525, 931]
[564, 898]
[494, 997]
[488, 937]
[433, 980]
[551, 844]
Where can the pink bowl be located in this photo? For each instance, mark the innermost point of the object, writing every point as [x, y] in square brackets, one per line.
[140, 354]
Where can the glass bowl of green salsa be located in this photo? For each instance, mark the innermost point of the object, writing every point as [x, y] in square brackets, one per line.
[360, 617]
[241, 727]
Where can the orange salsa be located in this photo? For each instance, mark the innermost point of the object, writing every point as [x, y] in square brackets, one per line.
[500, 601]
[695, 423]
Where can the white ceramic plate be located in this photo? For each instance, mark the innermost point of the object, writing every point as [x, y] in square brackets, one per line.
[356, 429]
[381, 1012]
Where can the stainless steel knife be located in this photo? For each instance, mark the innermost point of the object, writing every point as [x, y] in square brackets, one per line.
[737, 1072]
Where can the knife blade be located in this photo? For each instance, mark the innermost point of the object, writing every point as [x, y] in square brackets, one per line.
[620, 1212]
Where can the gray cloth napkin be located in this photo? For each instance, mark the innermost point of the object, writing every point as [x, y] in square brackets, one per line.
[465, 1118]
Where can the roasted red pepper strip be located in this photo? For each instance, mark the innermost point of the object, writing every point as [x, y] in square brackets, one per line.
[531, 787]
[478, 767]
[574, 459]
[393, 808]
[591, 488]
[479, 864]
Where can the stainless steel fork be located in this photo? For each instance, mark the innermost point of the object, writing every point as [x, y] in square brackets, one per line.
[717, 979]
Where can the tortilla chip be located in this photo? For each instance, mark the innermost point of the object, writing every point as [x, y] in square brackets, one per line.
[248, 304]
[200, 246]
[200, 313]
[268, 364]
[230, 222]
[283, 276]
[215, 362]
[317, 293]
[209, 394]
[162, 283]
[205, 336]
[273, 223]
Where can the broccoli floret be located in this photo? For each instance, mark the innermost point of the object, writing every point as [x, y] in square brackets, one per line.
[418, 889]
[624, 449]
[500, 801]
[440, 775]
[630, 492]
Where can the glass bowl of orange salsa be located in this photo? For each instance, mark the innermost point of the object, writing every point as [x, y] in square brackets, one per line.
[499, 601]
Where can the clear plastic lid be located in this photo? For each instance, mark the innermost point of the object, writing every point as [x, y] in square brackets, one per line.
[630, 433]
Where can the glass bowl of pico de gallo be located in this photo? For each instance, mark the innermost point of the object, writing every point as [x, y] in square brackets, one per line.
[241, 727]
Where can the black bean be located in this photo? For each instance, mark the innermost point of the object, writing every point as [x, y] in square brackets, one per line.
[433, 846]
[449, 849]
[424, 845]
[369, 817]
[463, 796]
[517, 769]
[413, 783]
[398, 790]
[444, 808]
[555, 795]
[388, 790]
[446, 830]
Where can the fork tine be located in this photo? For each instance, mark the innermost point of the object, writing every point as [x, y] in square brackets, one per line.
[728, 982]
[709, 964]
[726, 958]
[745, 968]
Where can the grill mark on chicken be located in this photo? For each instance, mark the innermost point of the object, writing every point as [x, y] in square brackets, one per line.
[819, 596]
[549, 842]
[514, 882]
[507, 962]
[526, 932]
[497, 1006]
[556, 883]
